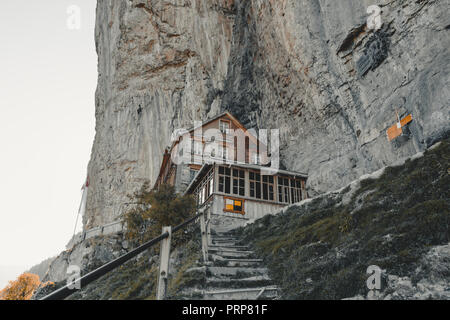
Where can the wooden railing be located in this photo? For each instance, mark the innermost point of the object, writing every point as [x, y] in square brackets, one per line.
[164, 238]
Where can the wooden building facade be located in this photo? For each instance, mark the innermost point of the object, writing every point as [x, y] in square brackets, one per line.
[227, 168]
[245, 191]
[220, 139]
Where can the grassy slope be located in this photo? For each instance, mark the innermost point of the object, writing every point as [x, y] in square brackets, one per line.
[322, 250]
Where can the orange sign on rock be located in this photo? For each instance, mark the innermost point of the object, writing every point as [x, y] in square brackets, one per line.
[396, 130]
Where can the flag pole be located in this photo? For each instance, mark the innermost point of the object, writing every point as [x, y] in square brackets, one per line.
[82, 207]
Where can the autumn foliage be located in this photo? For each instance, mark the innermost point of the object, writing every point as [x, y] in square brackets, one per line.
[23, 288]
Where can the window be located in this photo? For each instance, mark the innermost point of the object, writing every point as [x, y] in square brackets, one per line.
[289, 190]
[283, 190]
[234, 205]
[224, 126]
[223, 152]
[255, 184]
[211, 185]
[296, 191]
[225, 180]
[210, 150]
[206, 188]
[239, 182]
[261, 187]
[201, 199]
[267, 187]
[247, 149]
[235, 142]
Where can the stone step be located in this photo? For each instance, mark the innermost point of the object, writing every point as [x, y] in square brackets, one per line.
[235, 248]
[224, 233]
[236, 272]
[231, 253]
[255, 281]
[267, 293]
[223, 243]
[214, 239]
[219, 261]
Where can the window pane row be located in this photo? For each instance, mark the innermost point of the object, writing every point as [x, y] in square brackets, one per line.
[235, 177]
[289, 190]
[232, 181]
[261, 187]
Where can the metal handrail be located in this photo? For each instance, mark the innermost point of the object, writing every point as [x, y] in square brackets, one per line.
[68, 290]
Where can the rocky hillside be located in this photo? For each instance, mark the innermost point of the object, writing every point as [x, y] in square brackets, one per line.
[136, 279]
[41, 268]
[288, 65]
[397, 219]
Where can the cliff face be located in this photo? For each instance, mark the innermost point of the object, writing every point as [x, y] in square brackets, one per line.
[159, 64]
[293, 67]
[288, 65]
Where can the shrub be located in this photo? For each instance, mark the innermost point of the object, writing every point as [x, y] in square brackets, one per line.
[154, 210]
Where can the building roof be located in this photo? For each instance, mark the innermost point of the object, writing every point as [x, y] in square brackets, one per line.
[167, 153]
[202, 171]
[204, 123]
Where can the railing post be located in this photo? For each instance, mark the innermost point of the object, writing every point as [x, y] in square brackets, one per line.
[204, 236]
[164, 258]
[208, 227]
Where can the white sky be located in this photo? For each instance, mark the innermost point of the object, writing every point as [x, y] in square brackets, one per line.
[48, 76]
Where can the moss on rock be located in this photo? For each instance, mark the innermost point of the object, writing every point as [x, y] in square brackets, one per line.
[321, 249]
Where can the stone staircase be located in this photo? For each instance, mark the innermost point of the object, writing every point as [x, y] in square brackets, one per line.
[234, 272]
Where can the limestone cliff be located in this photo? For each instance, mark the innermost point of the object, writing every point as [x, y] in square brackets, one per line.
[280, 64]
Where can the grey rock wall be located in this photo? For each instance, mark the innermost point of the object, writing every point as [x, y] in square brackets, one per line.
[279, 64]
[41, 268]
[159, 64]
[292, 67]
[87, 256]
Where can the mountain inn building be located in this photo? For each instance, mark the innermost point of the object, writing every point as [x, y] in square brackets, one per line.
[228, 170]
